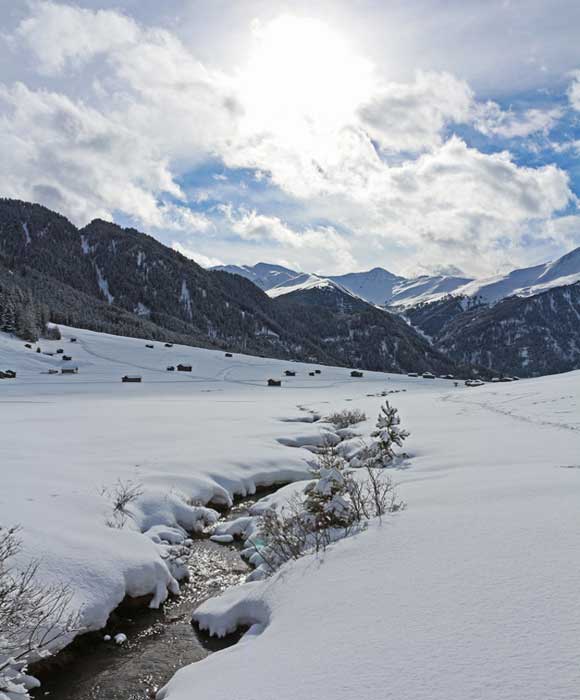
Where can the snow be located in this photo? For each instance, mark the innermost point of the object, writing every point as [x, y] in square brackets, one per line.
[141, 309]
[184, 438]
[185, 297]
[425, 289]
[305, 282]
[104, 285]
[526, 281]
[26, 233]
[471, 592]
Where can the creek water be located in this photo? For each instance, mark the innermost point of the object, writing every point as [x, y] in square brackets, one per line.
[159, 642]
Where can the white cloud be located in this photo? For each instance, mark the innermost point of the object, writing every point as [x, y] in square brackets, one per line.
[411, 116]
[490, 119]
[574, 91]
[313, 241]
[305, 111]
[199, 258]
[60, 35]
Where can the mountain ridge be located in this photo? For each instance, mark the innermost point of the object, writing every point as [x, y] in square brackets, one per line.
[130, 283]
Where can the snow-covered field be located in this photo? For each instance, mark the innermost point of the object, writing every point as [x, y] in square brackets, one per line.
[469, 593]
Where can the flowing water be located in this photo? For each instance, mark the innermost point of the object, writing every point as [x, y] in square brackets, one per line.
[159, 642]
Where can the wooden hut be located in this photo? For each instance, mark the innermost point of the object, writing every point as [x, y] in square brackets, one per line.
[274, 382]
[184, 368]
[356, 373]
[131, 379]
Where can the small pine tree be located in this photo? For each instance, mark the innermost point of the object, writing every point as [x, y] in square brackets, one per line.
[388, 433]
[327, 503]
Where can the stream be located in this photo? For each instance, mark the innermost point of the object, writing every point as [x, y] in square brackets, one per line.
[159, 642]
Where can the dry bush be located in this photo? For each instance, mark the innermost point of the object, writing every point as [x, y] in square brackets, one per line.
[122, 495]
[346, 418]
[33, 617]
[311, 522]
[375, 495]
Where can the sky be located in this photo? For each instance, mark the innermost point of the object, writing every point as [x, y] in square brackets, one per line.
[422, 136]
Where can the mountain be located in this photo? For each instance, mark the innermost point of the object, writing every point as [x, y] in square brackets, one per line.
[263, 275]
[526, 281]
[521, 335]
[379, 286]
[360, 334]
[376, 285]
[304, 282]
[425, 288]
[107, 278]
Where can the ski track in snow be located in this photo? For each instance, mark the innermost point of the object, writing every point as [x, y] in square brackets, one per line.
[494, 408]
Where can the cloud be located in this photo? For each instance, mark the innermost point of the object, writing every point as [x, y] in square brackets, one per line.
[574, 91]
[324, 241]
[491, 120]
[131, 109]
[61, 35]
[411, 116]
[199, 258]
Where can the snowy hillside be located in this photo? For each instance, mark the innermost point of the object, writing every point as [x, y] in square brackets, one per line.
[425, 289]
[467, 593]
[379, 286]
[263, 275]
[376, 285]
[304, 282]
[527, 281]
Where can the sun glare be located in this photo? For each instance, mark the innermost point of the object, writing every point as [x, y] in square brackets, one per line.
[302, 72]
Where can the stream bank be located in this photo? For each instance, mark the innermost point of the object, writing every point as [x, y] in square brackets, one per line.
[159, 642]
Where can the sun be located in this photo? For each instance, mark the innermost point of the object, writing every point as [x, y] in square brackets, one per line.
[302, 72]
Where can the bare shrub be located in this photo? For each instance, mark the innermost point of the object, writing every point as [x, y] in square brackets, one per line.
[346, 418]
[33, 617]
[122, 495]
[336, 504]
[375, 495]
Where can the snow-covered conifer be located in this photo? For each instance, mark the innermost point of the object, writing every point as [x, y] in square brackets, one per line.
[327, 503]
[387, 435]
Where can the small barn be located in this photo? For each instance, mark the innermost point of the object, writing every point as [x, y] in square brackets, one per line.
[149, 346]
[428, 375]
[317, 371]
[168, 345]
[66, 358]
[311, 374]
[356, 373]
[8, 374]
[290, 373]
[171, 368]
[274, 382]
[131, 379]
[229, 354]
[184, 368]
[59, 351]
[69, 370]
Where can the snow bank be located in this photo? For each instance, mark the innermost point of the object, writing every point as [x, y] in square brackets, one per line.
[469, 593]
[186, 441]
